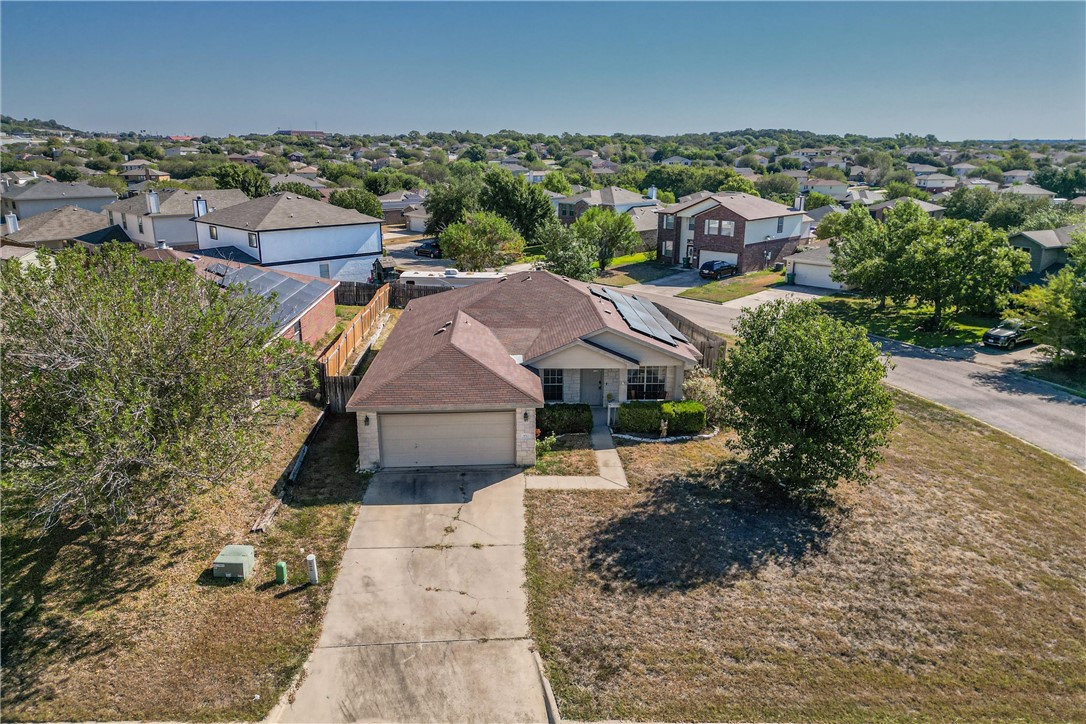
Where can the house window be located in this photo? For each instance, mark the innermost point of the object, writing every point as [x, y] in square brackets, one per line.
[325, 272]
[252, 240]
[139, 223]
[213, 231]
[667, 248]
[712, 227]
[669, 221]
[690, 224]
[646, 383]
[552, 385]
[124, 221]
[298, 331]
[780, 225]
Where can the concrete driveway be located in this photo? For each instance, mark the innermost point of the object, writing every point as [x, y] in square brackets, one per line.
[670, 285]
[427, 620]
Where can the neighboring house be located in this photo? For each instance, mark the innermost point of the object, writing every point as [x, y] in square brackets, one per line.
[166, 217]
[1029, 190]
[10, 179]
[181, 151]
[292, 233]
[830, 162]
[1016, 176]
[933, 210]
[936, 182]
[460, 377]
[922, 169]
[676, 161]
[822, 212]
[747, 173]
[646, 224]
[963, 169]
[604, 167]
[144, 174]
[1079, 202]
[1047, 251]
[59, 228]
[416, 217]
[982, 183]
[612, 197]
[299, 158]
[865, 196]
[797, 174]
[305, 306]
[858, 174]
[586, 153]
[27, 255]
[135, 164]
[394, 204]
[812, 268]
[836, 190]
[41, 196]
[745, 230]
[307, 172]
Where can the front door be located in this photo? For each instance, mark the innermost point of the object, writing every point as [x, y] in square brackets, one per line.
[592, 387]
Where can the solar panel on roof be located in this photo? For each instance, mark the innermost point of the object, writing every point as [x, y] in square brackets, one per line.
[662, 320]
[637, 315]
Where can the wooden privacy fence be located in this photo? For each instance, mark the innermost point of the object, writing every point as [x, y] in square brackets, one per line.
[357, 330]
[338, 390]
[357, 293]
[711, 346]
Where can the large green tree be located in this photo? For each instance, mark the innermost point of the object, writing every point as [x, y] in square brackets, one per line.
[242, 176]
[526, 206]
[864, 255]
[612, 233]
[483, 239]
[804, 394]
[452, 202]
[567, 254]
[360, 200]
[297, 188]
[778, 187]
[129, 385]
[1051, 308]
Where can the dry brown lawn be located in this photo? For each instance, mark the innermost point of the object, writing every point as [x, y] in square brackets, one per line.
[136, 627]
[572, 454]
[950, 589]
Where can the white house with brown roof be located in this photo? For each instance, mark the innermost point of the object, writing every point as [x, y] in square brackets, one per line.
[835, 189]
[294, 233]
[460, 377]
[615, 198]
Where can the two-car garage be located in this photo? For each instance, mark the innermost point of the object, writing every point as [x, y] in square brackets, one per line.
[812, 269]
[409, 440]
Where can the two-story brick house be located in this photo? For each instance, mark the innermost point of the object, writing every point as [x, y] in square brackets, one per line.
[617, 199]
[745, 230]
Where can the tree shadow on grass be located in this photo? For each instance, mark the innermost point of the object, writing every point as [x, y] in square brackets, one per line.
[51, 580]
[717, 527]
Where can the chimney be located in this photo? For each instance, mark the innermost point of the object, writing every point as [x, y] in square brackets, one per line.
[13, 223]
[801, 201]
[161, 243]
[199, 206]
[152, 202]
[652, 192]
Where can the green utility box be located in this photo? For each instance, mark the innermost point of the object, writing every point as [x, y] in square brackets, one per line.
[234, 562]
[790, 278]
[686, 262]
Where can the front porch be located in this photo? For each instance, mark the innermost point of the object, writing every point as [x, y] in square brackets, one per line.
[599, 386]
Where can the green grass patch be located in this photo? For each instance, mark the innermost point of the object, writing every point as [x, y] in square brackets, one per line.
[726, 290]
[1073, 379]
[909, 323]
[640, 272]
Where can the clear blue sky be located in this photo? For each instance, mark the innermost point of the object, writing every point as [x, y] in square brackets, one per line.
[958, 70]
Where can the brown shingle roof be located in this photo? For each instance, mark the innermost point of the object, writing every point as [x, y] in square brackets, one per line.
[285, 211]
[64, 224]
[470, 363]
[745, 205]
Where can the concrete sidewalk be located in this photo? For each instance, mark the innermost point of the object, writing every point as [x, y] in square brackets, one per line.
[611, 476]
[427, 621]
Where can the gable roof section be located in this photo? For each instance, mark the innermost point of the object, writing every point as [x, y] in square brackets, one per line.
[46, 190]
[64, 224]
[284, 211]
[609, 196]
[745, 205]
[178, 202]
[1052, 238]
[470, 364]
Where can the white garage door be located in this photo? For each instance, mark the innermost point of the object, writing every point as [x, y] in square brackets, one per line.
[447, 438]
[706, 255]
[811, 275]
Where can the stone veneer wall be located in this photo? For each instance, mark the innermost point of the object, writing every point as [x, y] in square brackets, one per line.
[525, 437]
[369, 448]
[571, 385]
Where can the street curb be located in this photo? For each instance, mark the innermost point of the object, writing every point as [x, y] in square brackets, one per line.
[553, 715]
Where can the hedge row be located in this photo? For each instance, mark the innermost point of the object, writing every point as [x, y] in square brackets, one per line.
[686, 417]
[560, 418]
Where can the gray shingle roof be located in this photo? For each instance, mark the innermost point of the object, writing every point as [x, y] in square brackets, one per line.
[745, 205]
[43, 190]
[285, 211]
[177, 202]
[65, 224]
[608, 196]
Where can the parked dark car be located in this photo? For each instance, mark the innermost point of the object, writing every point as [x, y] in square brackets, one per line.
[1009, 333]
[429, 248]
[717, 270]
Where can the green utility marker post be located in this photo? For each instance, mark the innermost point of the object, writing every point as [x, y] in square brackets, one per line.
[281, 572]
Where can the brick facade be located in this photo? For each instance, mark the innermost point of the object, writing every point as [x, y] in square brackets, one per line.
[317, 321]
[750, 257]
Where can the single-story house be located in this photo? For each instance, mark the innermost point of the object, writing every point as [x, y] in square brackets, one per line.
[822, 212]
[865, 196]
[1017, 176]
[963, 169]
[676, 161]
[812, 268]
[305, 309]
[617, 199]
[1079, 202]
[416, 217]
[936, 182]
[1047, 249]
[1029, 190]
[395, 203]
[460, 377]
[836, 190]
[284, 178]
[66, 226]
[646, 224]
